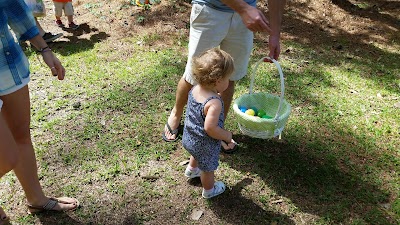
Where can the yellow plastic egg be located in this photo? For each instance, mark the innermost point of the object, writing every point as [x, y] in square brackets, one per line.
[250, 112]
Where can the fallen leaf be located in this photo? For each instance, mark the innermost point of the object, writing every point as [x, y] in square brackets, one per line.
[183, 163]
[397, 104]
[196, 214]
[385, 205]
[277, 201]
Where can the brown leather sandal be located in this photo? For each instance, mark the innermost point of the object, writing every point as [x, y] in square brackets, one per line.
[51, 203]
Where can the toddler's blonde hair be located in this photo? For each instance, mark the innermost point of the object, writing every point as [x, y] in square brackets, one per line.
[212, 65]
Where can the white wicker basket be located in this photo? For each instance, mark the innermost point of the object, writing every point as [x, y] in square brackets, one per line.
[273, 105]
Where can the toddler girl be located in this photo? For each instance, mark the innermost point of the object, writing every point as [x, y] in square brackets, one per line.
[203, 131]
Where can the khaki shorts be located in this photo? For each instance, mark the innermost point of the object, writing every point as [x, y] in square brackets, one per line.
[210, 28]
[67, 6]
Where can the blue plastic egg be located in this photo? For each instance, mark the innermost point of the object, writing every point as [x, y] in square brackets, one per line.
[242, 109]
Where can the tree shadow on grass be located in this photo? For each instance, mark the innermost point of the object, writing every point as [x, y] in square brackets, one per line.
[129, 220]
[65, 219]
[234, 208]
[60, 218]
[371, 10]
[315, 184]
[323, 43]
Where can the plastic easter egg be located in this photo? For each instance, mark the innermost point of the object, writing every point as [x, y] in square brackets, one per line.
[250, 112]
[266, 117]
[261, 113]
[255, 110]
[242, 109]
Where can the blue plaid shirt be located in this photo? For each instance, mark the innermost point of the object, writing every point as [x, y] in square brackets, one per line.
[14, 65]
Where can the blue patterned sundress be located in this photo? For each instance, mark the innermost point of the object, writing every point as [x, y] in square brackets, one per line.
[195, 140]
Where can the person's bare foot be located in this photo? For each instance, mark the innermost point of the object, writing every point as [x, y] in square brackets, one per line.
[229, 148]
[171, 128]
[54, 204]
[3, 217]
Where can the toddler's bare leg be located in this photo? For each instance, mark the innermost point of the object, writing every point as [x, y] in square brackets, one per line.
[207, 180]
[193, 162]
[70, 19]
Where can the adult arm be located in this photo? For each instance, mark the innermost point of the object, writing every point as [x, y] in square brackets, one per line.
[48, 57]
[253, 18]
[276, 8]
[22, 23]
[256, 21]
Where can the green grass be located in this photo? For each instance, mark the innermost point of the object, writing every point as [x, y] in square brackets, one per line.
[97, 137]
[340, 151]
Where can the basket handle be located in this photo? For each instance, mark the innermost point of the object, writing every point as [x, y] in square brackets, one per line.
[282, 81]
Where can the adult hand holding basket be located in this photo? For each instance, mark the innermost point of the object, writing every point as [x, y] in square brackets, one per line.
[275, 106]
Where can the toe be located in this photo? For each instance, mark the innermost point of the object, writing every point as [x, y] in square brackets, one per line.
[168, 134]
[66, 203]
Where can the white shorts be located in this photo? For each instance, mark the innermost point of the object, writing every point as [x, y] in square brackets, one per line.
[1, 104]
[210, 28]
[67, 6]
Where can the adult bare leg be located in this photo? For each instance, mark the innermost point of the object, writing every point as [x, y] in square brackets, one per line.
[16, 112]
[9, 156]
[181, 97]
[227, 96]
[3, 217]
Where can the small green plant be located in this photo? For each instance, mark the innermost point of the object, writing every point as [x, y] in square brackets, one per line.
[147, 7]
[140, 19]
[363, 5]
